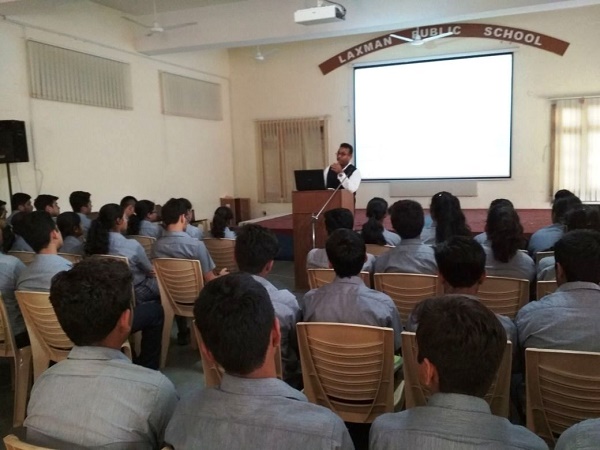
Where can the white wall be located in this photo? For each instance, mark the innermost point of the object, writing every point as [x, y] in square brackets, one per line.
[112, 153]
[289, 84]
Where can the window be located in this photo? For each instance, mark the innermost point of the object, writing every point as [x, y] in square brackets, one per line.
[576, 147]
[285, 146]
[189, 97]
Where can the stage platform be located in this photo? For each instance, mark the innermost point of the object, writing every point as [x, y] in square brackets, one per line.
[531, 219]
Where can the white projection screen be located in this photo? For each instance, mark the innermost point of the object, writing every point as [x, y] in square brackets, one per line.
[434, 119]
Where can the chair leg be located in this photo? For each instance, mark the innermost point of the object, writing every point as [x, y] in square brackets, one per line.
[22, 384]
[166, 334]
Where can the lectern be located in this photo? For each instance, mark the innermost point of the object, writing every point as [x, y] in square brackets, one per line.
[304, 205]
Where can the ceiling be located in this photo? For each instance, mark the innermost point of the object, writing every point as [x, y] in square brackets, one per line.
[240, 23]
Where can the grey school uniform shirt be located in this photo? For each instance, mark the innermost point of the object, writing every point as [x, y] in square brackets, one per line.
[179, 244]
[10, 270]
[254, 413]
[38, 275]
[410, 256]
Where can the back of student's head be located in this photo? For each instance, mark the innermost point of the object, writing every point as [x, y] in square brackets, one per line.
[37, 227]
[561, 207]
[142, 209]
[583, 217]
[346, 252]
[578, 253]
[19, 199]
[128, 200]
[562, 193]
[172, 211]
[97, 242]
[90, 298]
[461, 261]
[464, 340]
[79, 199]
[18, 222]
[407, 218]
[505, 232]
[372, 230]
[223, 215]
[255, 246]
[186, 202]
[501, 201]
[68, 223]
[235, 316]
[44, 200]
[450, 220]
[338, 218]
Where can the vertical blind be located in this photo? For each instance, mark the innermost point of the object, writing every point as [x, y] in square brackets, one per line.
[189, 97]
[285, 146]
[64, 75]
[576, 147]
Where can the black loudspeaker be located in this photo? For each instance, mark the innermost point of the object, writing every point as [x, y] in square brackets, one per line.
[13, 142]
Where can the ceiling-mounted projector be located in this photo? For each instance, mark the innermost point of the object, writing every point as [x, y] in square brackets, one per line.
[320, 14]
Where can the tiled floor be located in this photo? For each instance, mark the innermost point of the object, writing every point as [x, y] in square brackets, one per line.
[183, 365]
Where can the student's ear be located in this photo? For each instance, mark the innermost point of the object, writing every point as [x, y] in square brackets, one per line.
[428, 375]
[55, 234]
[482, 278]
[561, 277]
[276, 333]
[269, 266]
[125, 321]
[206, 354]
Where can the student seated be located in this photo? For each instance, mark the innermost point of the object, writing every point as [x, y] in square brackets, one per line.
[42, 234]
[411, 255]
[584, 435]
[255, 250]
[19, 244]
[19, 202]
[142, 223]
[334, 220]
[545, 238]
[97, 397]
[460, 347]
[190, 229]
[373, 231]
[69, 224]
[251, 408]
[81, 202]
[219, 227]
[447, 219]
[482, 237]
[347, 299]
[505, 238]
[10, 270]
[105, 238]
[128, 205]
[48, 203]
[569, 318]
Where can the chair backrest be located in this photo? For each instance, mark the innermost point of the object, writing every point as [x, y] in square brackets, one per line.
[348, 368]
[407, 289]
[376, 250]
[146, 241]
[416, 394]
[321, 277]
[541, 255]
[213, 373]
[563, 388]
[25, 257]
[12, 442]
[48, 340]
[72, 257]
[180, 281]
[7, 339]
[222, 253]
[504, 296]
[544, 288]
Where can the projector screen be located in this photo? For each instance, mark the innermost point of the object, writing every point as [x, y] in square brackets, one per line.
[436, 119]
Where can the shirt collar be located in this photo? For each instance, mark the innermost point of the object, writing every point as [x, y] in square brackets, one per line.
[259, 387]
[412, 241]
[175, 233]
[349, 280]
[91, 352]
[575, 285]
[460, 402]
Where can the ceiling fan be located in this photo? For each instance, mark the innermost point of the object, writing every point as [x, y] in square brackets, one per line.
[418, 40]
[261, 56]
[156, 27]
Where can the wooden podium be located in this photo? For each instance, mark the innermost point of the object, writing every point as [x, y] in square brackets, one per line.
[304, 205]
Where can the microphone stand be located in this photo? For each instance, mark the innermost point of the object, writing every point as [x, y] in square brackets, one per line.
[315, 217]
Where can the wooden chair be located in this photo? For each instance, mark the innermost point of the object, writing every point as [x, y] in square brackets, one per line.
[321, 277]
[48, 340]
[146, 241]
[180, 281]
[562, 389]
[74, 258]
[416, 394]
[213, 374]
[12, 442]
[25, 257]
[543, 288]
[349, 369]
[21, 360]
[504, 296]
[541, 255]
[376, 250]
[407, 289]
[222, 253]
